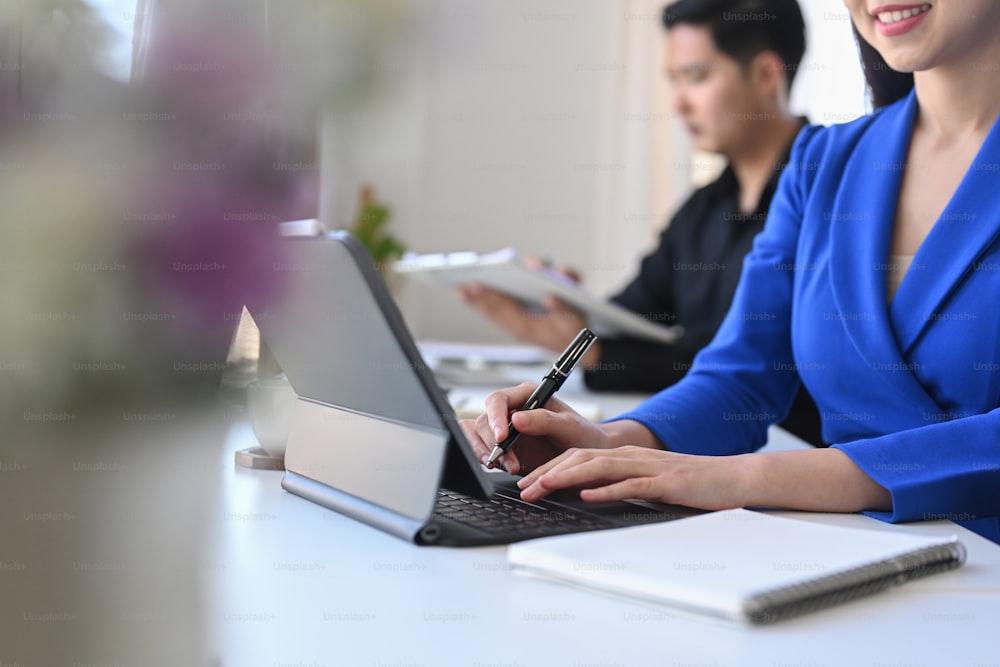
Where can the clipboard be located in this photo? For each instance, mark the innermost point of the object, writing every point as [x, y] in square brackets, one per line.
[505, 271]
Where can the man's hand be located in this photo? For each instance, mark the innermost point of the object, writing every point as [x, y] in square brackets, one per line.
[552, 329]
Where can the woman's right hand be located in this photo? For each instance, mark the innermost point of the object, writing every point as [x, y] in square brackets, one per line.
[545, 432]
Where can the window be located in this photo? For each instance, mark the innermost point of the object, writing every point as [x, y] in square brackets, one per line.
[119, 17]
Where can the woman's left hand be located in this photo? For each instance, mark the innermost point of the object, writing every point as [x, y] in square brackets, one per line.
[705, 482]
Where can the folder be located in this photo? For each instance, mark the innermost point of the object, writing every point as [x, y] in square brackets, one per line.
[505, 271]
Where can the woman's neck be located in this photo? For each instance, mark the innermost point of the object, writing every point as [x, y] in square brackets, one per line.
[960, 101]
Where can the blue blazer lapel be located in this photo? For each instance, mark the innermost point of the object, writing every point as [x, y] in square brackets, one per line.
[967, 228]
[860, 226]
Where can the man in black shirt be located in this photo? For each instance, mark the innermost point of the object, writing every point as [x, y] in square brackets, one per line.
[731, 63]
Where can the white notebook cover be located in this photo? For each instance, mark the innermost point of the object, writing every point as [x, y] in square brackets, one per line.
[727, 564]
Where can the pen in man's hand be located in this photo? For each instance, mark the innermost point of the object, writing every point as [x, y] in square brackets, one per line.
[560, 370]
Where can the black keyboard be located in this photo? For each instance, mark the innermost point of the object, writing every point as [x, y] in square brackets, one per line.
[503, 515]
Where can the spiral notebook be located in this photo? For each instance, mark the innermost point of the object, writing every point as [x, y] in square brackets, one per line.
[738, 565]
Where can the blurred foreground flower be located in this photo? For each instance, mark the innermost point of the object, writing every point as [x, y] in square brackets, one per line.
[134, 218]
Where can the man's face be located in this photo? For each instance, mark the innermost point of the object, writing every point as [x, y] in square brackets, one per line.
[713, 94]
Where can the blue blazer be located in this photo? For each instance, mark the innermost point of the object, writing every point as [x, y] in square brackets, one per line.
[909, 390]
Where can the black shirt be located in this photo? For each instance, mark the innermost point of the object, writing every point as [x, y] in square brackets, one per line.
[690, 280]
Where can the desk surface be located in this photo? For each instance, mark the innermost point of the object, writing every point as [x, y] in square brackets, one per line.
[292, 583]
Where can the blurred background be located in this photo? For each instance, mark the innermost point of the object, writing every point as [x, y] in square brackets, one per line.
[547, 127]
[148, 151]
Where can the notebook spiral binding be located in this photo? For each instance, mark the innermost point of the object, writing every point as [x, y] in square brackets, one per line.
[775, 605]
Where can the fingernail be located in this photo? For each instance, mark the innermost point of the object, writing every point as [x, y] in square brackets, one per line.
[485, 459]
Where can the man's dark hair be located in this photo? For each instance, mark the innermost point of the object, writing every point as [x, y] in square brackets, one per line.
[743, 28]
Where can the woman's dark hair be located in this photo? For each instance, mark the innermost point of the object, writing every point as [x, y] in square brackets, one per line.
[743, 28]
[885, 85]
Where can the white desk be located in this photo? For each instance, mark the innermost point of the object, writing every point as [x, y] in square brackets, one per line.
[292, 583]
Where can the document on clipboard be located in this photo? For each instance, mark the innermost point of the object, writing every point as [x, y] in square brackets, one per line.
[506, 271]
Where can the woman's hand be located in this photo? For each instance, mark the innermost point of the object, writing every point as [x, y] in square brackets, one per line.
[706, 482]
[559, 449]
[815, 480]
[545, 433]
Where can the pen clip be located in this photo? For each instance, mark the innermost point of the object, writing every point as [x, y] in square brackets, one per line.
[574, 352]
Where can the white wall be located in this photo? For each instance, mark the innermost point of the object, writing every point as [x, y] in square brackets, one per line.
[545, 126]
[506, 135]
[119, 17]
[830, 87]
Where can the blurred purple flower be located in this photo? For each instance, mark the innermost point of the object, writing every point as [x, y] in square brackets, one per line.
[213, 177]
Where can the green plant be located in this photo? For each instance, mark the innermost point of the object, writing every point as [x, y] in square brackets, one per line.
[370, 228]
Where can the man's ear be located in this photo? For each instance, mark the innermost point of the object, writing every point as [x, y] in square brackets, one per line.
[769, 75]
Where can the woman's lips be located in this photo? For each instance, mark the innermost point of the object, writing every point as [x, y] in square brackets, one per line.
[894, 20]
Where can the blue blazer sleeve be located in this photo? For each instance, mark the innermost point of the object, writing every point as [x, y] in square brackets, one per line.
[908, 389]
[949, 470]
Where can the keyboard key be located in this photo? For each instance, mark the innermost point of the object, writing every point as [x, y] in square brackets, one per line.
[504, 515]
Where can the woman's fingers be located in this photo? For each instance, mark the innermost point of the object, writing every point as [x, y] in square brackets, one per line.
[706, 482]
[533, 476]
[473, 429]
[500, 404]
[633, 487]
[604, 474]
[574, 468]
[544, 433]
[479, 433]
